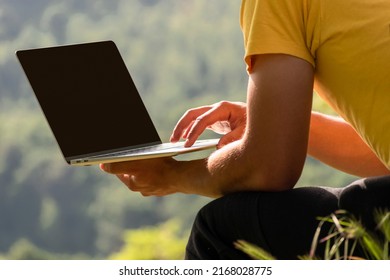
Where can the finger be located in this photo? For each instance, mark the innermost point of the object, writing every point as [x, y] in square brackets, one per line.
[158, 193]
[133, 184]
[119, 167]
[204, 121]
[125, 179]
[130, 182]
[221, 127]
[188, 129]
[231, 137]
[186, 121]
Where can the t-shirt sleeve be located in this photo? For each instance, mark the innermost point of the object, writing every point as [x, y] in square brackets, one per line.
[280, 26]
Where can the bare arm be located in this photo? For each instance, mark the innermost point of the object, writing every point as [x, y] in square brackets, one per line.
[336, 143]
[269, 156]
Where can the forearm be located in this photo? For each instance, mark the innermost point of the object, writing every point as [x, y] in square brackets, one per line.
[230, 169]
[272, 151]
[269, 154]
[223, 172]
[336, 143]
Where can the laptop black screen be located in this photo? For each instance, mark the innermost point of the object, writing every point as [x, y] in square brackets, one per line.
[88, 98]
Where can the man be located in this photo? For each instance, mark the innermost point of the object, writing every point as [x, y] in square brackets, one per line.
[342, 49]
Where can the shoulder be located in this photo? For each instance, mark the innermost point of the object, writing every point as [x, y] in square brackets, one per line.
[283, 26]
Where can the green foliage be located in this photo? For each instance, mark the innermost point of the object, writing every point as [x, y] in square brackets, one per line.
[25, 250]
[181, 53]
[64, 209]
[320, 106]
[254, 251]
[345, 234]
[316, 173]
[161, 242]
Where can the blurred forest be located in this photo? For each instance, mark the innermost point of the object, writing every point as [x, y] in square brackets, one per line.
[182, 54]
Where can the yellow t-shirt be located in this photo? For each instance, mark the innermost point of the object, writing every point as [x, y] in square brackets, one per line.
[348, 43]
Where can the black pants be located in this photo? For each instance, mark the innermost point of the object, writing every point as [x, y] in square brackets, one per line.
[283, 223]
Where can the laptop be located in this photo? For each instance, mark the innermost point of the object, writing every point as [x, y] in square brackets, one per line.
[93, 107]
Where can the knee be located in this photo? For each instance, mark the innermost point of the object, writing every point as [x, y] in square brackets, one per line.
[363, 197]
[214, 229]
[203, 240]
[223, 208]
[352, 195]
[209, 215]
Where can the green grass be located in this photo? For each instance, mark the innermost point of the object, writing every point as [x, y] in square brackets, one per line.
[345, 235]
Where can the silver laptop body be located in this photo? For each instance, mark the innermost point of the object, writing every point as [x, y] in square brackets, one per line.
[93, 106]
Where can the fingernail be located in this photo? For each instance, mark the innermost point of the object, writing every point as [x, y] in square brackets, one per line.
[187, 143]
[221, 144]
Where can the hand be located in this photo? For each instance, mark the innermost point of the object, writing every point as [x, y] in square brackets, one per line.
[224, 117]
[149, 177]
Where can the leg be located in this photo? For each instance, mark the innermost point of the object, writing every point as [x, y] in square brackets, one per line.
[363, 197]
[222, 222]
[282, 223]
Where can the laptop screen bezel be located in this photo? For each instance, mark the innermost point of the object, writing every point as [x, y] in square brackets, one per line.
[106, 58]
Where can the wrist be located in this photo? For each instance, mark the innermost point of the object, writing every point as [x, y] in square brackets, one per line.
[193, 177]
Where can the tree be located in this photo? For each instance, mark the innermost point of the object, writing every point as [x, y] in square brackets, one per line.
[161, 242]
